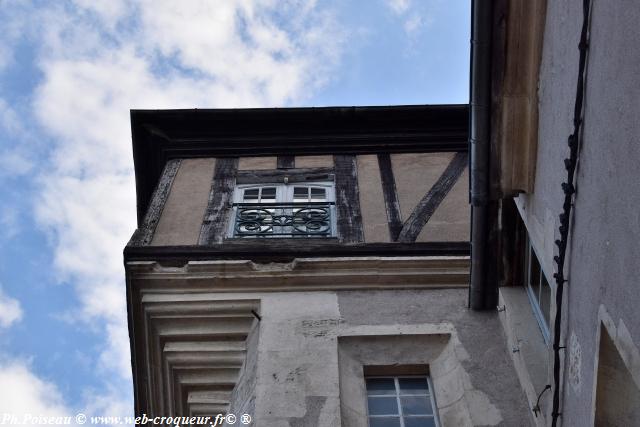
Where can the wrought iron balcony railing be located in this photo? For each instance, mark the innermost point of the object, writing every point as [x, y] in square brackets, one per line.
[308, 219]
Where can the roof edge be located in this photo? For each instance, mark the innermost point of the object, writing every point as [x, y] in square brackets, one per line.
[161, 135]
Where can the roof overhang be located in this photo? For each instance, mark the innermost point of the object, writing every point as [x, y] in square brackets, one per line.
[161, 135]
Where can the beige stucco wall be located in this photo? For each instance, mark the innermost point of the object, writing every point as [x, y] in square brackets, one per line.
[183, 211]
[451, 221]
[314, 161]
[415, 174]
[374, 214]
[257, 163]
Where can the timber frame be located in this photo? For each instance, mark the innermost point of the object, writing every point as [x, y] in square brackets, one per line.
[161, 135]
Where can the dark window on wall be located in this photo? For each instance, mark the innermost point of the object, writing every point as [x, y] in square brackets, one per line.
[400, 401]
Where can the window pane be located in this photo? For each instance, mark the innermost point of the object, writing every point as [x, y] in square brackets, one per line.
[383, 406]
[300, 193]
[416, 405]
[268, 193]
[318, 195]
[534, 276]
[251, 194]
[413, 385]
[545, 299]
[419, 422]
[384, 422]
[380, 386]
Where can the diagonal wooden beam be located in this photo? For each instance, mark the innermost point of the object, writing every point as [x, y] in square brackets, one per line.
[391, 202]
[430, 202]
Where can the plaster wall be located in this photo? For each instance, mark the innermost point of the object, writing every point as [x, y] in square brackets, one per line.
[451, 221]
[314, 161]
[415, 174]
[603, 267]
[310, 341]
[181, 218]
[374, 213]
[257, 163]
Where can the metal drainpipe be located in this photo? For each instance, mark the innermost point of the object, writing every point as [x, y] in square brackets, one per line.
[479, 128]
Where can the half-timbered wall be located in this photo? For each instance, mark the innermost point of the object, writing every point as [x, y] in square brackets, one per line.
[380, 198]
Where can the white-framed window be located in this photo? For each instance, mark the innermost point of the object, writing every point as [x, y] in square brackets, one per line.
[284, 210]
[401, 401]
[538, 290]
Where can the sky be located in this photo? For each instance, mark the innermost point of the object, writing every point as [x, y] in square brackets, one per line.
[70, 71]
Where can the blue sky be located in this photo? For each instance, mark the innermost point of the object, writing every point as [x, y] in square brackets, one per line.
[70, 71]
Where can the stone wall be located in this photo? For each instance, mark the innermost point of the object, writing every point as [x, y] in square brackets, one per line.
[604, 251]
[313, 347]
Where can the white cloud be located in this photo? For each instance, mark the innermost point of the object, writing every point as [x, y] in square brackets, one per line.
[111, 11]
[398, 6]
[15, 162]
[14, 156]
[24, 394]
[9, 119]
[413, 23]
[9, 224]
[105, 58]
[414, 16]
[25, 397]
[10, 311]
[6, 56]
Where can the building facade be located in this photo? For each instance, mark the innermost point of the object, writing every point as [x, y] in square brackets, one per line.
[322, 267]
[310, 267]
[556, 222]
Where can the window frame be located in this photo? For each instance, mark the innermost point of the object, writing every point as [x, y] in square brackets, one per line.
[534, 299]
[284, 194]
[398, 395]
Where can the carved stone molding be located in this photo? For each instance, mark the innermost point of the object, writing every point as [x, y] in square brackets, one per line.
[304, 274]
[193, 353]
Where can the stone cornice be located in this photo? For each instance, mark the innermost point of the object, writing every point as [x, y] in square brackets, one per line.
[318, 274]
[190, 354]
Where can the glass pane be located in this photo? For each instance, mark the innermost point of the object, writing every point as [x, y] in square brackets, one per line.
[545, 299]
[300, 192]
[251, 195]
[380, 386]
[384, 422]
[383, 406]
[413, 385]
[268, 194]
[318, 195]
[534, 269]
[416, 405]
[419, 422]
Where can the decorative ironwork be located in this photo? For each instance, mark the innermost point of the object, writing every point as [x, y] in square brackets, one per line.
[308, 219]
